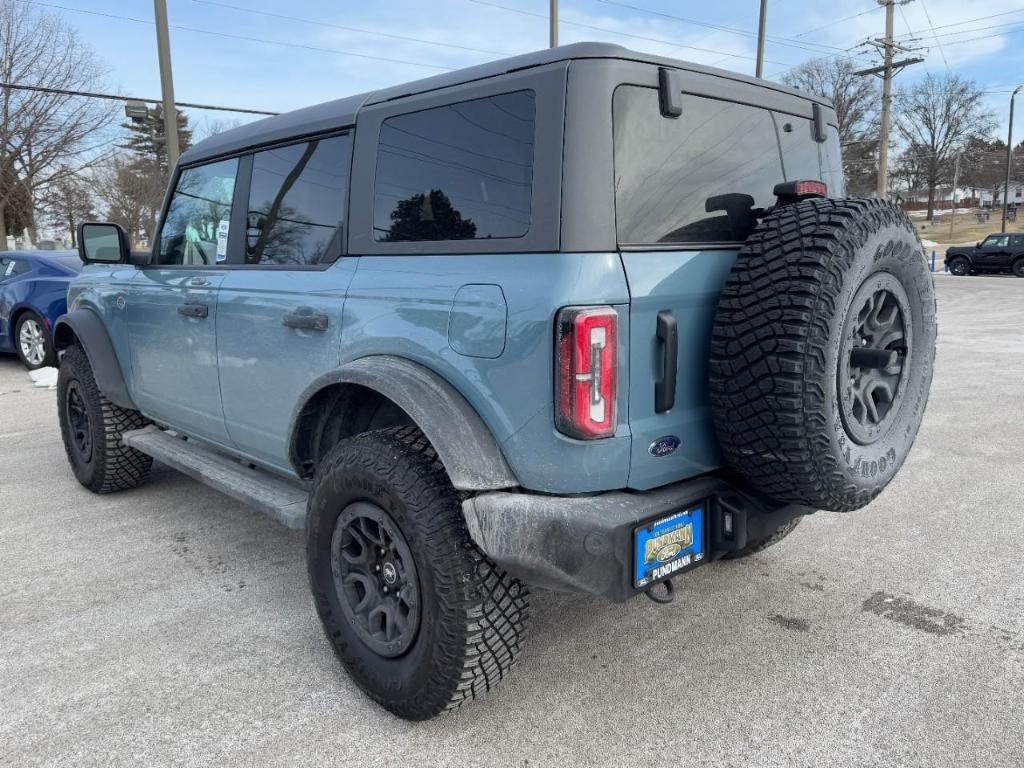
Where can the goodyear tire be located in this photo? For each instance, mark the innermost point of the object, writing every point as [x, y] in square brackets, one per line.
[822, 352]
[91, 427]
[419, 617]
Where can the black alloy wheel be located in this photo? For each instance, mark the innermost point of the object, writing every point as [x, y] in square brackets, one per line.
[375, 578]
[874, 357]
[79, 426]
[959, 266]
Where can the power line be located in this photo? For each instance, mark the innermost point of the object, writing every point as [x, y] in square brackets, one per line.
[318, 23]
[836, 21]
[675, 44]
[246, 38]
[971, 21]
[784, 41]
[924, 8]
[115, 97]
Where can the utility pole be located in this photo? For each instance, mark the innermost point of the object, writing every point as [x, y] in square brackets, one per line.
[761, 24]
[887, 70]
[883, 138]
[553, 20]
[1009, 157]
[163, 49]
[952, 208]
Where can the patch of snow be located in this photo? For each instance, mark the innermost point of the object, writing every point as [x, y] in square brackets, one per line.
[44, 377]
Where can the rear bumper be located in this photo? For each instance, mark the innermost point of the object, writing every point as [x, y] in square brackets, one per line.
[585, 543]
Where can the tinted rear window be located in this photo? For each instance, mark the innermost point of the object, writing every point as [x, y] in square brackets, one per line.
[458, 172]
[695, 178]
[297, 202]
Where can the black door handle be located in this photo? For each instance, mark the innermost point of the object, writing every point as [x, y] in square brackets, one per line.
[305, 320]
[668, 334]
[194, 310]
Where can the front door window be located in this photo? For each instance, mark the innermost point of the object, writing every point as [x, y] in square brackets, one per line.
[195, 230]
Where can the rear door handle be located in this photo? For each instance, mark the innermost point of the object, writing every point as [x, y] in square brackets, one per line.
[194, 310]
[305, 320]
[668, 334]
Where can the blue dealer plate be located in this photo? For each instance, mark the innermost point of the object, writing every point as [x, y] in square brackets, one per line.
[668, 546]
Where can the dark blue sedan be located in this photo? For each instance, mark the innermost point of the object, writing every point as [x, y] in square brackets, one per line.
[33, 294]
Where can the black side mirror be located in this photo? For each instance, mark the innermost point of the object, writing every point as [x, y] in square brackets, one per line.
[102, 243]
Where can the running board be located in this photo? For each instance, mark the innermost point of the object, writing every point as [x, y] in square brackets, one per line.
[275, 496]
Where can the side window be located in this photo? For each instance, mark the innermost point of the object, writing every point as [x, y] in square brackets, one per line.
[195, 230]
[297, 202]
[996, 241]
[13, 267]
[458, 172]
[1018, 240]
[692, 179]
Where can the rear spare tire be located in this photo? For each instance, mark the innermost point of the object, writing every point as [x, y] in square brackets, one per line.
[822, 352]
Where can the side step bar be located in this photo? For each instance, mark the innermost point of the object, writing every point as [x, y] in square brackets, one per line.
[275, 496]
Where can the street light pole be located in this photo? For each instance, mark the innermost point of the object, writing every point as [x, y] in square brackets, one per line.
[1009, 157]
[553, 22]
[163, 48]
[761, 24]
[883, 139]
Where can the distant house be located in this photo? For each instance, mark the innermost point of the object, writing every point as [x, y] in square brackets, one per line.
[1016, 194]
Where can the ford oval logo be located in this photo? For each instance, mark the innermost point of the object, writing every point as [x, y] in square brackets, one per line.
[663, 446]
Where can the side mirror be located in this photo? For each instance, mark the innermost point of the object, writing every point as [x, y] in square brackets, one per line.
[100, 243]
[978, 244]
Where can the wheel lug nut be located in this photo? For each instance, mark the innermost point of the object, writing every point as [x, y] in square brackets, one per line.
[377, 568]
[385, 590]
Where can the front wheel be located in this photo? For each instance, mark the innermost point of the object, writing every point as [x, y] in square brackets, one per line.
[35, 347]
[418, 615]
[959, 266]
[92, 426]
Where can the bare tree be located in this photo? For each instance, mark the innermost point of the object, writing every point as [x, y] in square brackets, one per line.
[131, 198]
[856, 101]
[68, 201]
[44, 136]
[936, 118]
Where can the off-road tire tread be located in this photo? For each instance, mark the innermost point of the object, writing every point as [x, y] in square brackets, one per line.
[768, 349]
[761, 544]
[483, 612]
[118, 466]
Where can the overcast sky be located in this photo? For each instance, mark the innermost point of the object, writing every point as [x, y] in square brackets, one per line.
[283, 54]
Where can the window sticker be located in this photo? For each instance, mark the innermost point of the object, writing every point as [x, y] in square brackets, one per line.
[222, 239]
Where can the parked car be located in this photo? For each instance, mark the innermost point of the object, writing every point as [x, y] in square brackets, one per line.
[1000, 252]
[33, 294]
[583, 319]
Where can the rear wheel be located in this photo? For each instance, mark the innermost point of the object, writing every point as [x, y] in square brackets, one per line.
[1018, 267]
[959, 266]
[91, 427]
[822, 352]
[420, 618]
[35, 347]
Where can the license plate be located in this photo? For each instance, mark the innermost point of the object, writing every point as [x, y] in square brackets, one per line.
[668, 546]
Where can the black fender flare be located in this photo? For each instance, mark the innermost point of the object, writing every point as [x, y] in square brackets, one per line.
[87, 328]
[464, 443]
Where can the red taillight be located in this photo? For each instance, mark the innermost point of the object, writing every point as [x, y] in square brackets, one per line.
[586, 371]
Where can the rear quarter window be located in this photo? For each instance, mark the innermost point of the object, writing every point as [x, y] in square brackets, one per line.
[695, 178]
[458, 172]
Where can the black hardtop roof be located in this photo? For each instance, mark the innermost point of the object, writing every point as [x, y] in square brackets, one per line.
[339, 113]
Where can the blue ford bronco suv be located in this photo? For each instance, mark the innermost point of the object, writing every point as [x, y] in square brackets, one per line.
[583, 319]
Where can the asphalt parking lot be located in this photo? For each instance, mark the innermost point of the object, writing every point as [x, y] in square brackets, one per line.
[170, 624]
